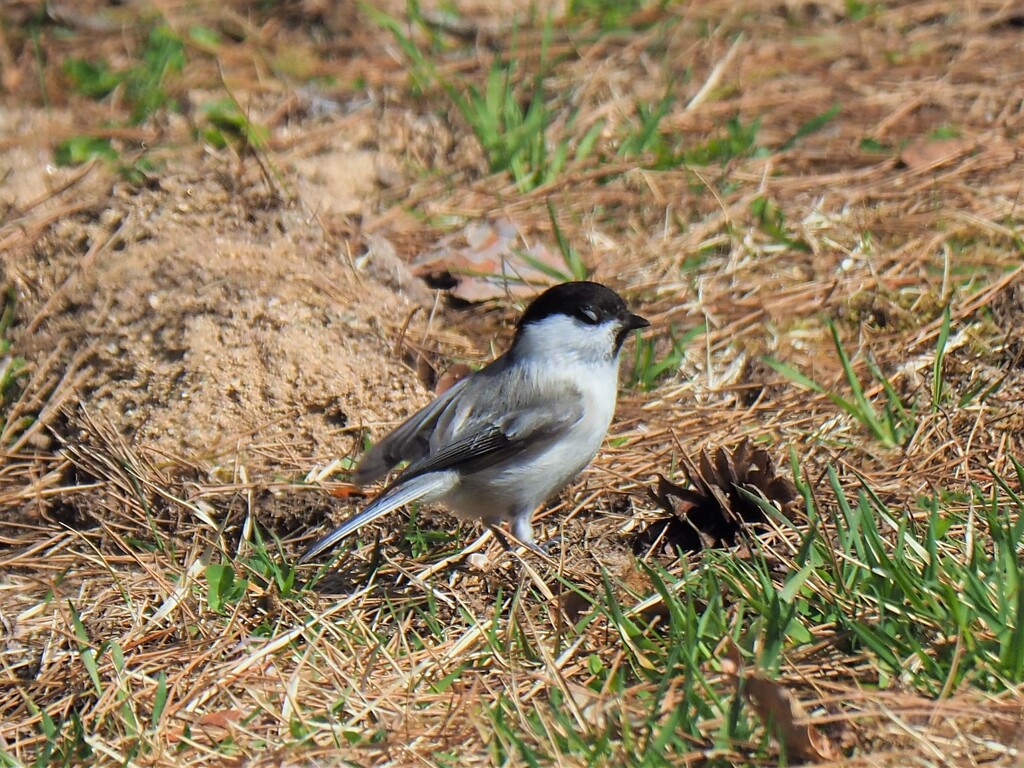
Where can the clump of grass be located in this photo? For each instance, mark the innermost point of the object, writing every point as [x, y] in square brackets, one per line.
[859, 571]
[740, 140]
[771, 220]
[518, 139]
[513, 114]
[143, 84]
[423, 538]
[815, 124]
[937, 603]
[609, 14]
[224, 587]
[575, 268]
[647, 139]
[526, 126]
[12, 366]
[227, 125]
[143, 87]
[892, 424]
[78, 150]
[648, 369]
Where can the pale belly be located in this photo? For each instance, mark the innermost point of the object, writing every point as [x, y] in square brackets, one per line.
[502, 493]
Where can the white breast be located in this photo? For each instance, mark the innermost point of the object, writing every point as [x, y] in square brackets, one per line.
[512, 489]
[556, 353]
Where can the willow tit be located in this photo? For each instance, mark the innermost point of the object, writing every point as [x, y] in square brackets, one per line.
[506, 438]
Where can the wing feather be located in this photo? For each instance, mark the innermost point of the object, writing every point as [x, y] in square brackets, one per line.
[471, 440]
[408, 442]
[481, 444]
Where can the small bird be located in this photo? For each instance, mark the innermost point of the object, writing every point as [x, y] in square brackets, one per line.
[505, 439]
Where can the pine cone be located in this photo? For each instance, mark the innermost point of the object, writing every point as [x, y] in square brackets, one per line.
[713, 511]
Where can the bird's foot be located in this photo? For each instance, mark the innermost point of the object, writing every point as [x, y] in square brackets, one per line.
[543, 549]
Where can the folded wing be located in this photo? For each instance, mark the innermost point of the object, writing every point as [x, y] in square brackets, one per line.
[478, 445]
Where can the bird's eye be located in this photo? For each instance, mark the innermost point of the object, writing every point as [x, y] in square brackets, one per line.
[588, 315]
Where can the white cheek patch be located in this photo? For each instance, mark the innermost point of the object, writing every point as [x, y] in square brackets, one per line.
[560, 338]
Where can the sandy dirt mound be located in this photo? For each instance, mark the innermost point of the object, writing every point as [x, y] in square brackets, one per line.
[211, 314]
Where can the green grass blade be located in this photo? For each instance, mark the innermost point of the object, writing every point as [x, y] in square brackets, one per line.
[85, 650]
[586, 144]
[1012, 657]
[867, 413]
[938, 389]
[793, 374]
[159, 700]
[898, 421]
[813, 125]
[573, 262]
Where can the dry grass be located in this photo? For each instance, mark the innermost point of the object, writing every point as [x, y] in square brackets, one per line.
[121, 646]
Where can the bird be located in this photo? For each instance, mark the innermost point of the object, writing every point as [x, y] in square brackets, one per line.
[508, 437]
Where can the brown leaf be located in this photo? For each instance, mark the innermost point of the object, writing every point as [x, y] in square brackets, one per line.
[924, 154]
[452, 376]
[215, 726]
[487, 260]
[221, 718]
[776, 705]
[344, 491]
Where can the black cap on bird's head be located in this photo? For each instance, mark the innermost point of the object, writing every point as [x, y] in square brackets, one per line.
[589, 303]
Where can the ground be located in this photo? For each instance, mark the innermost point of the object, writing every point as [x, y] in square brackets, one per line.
[241, 240]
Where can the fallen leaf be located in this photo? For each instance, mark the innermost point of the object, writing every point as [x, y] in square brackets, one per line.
[451, 377]
[214, 726]
[488, 260]
[221, 718]
[925, 154]
[776, 705]
[344, 491]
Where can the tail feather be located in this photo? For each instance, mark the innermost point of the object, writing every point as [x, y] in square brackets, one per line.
[428, 487]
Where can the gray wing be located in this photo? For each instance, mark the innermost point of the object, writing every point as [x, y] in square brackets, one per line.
[482, 443]
[471, 438]
[408, 442]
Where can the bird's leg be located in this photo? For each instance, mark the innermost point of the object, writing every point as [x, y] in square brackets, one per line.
[523, 531]
[507, 545]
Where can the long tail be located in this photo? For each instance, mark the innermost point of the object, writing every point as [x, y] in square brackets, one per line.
[428, 486]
